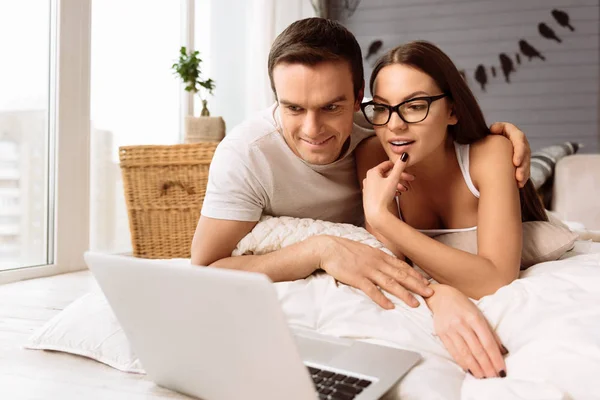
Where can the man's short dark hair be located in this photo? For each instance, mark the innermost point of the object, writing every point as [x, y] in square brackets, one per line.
[312, 41]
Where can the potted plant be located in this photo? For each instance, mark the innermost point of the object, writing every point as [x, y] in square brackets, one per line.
[204, 128]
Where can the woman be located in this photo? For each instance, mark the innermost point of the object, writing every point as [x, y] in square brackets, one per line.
[428, 124]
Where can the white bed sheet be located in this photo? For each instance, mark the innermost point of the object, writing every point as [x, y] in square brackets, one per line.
[549, 320]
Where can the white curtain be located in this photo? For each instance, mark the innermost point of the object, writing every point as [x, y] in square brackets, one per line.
[239, 36]
[266, 19]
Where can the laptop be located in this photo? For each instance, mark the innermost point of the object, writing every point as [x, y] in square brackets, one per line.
[219, 334]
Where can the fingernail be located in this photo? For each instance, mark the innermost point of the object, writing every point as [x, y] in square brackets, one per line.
[429, 291]
[504, 350]
[502, 374]
[404, 157]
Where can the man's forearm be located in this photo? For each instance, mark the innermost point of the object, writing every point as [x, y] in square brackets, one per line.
[290, 263]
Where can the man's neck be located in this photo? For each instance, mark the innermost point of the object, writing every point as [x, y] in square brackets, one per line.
[345, 148]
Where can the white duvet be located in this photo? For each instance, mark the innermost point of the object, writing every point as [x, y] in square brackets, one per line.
[549, 320]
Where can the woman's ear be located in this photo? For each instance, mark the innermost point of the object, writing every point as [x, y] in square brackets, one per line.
[452, 117]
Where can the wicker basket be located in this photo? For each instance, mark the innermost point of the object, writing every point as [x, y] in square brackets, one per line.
[164, 189]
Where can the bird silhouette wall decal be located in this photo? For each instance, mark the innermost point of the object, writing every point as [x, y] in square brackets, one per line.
[548, 32]
[530, 51]
[562, 18]
[374, 47]
[507, 66]
[481, 76]
[506, 63]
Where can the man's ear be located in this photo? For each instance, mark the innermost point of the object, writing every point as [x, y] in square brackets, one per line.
[359, 97]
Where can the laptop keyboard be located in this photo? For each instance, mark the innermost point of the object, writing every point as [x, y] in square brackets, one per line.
[332, 386]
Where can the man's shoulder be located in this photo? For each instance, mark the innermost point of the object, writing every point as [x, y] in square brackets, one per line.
[254, 128]
[360, 132]
[249, 141]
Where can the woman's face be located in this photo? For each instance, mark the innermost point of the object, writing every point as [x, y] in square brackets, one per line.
[397, 83]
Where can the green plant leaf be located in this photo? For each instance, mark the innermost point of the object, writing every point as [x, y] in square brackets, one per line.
[189, 71]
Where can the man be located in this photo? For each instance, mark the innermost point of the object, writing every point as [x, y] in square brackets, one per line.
[296, 159]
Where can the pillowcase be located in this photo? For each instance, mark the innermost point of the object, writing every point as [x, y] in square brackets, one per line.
[88, 327]
[542, 241]
[544, 160]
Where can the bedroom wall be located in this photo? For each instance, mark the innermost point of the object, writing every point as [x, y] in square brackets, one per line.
[552, 100]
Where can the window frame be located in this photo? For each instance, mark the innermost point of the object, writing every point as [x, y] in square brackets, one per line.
[68, 142]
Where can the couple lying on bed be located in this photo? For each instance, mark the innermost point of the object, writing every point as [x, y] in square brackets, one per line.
[432, 165]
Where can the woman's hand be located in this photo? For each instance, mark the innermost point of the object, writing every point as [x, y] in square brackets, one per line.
[466, 333]
[380, 188]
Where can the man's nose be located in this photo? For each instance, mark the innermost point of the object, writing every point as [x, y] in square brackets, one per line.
[312, 126]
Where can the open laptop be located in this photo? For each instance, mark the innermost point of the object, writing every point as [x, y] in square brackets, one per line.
[220, 334]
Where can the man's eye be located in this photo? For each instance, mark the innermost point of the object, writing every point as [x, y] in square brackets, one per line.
[294, 108]
[331, 107]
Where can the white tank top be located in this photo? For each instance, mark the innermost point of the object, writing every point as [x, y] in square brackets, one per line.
[462, 155]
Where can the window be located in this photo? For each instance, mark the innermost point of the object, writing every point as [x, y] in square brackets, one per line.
[44, 134]
[24, 133]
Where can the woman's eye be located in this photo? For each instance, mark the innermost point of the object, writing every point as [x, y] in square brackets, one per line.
[379, 109]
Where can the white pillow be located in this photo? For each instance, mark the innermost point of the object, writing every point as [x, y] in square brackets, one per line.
[88, 327]
[542, 241]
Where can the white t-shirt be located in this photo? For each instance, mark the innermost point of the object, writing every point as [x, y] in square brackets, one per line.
[254, 172]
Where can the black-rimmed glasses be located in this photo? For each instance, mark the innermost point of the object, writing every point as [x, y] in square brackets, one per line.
[410, 111]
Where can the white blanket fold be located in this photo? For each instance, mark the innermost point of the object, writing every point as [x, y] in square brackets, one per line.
[549, 320]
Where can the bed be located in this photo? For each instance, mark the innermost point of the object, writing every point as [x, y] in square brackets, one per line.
[549, 320]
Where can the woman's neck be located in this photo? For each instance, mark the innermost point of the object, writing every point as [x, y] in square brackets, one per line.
[435, 165]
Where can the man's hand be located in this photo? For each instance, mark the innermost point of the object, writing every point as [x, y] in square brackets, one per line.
[522, 151]
[365, 268]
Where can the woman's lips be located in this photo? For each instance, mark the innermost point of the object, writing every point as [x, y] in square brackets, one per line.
[401, 146]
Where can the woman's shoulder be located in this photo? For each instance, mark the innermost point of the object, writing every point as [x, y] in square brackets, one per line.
[371, 149]
[369, 153]
[369, 142]
[491, 149]
[490, 154]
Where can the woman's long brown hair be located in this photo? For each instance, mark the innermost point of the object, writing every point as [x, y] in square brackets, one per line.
[471, 125]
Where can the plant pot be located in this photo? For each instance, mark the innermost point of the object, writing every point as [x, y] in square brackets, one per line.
[204, 129]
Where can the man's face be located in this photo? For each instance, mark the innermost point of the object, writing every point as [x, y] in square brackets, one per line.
[316, 106]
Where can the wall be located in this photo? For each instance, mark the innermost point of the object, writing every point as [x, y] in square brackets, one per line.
[237, 38]
[552, 101]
